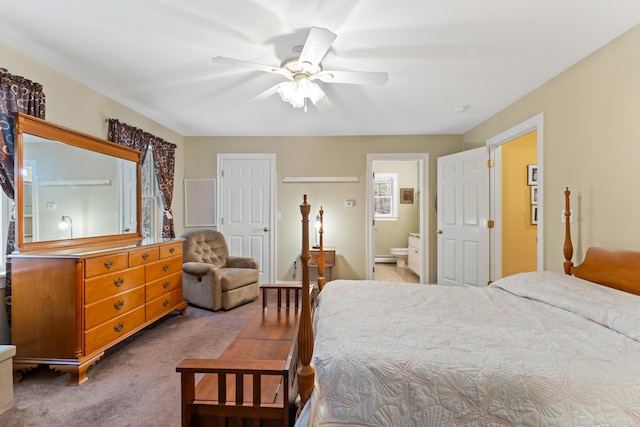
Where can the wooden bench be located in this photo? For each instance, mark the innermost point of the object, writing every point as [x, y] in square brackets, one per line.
[253, 382]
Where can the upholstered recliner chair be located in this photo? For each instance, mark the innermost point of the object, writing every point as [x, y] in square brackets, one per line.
[211, 278]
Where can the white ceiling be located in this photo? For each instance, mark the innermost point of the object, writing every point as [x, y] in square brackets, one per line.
[154, 56]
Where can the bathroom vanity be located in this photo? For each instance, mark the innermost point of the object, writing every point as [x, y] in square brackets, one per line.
[414, 253]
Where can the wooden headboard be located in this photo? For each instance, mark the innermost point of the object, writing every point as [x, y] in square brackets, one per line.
[615, 268]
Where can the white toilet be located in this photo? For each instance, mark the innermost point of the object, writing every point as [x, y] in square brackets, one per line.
[401, 255]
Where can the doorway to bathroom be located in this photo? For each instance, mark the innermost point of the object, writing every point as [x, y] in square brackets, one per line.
[397, 213]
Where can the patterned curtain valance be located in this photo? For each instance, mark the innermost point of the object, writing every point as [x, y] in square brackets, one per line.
[130, 136]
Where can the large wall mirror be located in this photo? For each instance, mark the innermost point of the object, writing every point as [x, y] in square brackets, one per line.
[73, 189]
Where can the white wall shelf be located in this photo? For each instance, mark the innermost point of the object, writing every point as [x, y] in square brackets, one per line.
[292, 179]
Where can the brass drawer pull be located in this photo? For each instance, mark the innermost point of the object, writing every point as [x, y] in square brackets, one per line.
[118, 327]
[165, 302]
[118, 305]
[108, 264]
[165, 267]
[172, 250]
[166, 285]
[145, 256]
[118, 282]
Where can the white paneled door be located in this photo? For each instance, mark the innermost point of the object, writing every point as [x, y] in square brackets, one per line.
[246, 207]
[463, 213]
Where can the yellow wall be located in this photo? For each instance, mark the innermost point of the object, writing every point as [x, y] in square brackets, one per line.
[591, 146]
[518, 234]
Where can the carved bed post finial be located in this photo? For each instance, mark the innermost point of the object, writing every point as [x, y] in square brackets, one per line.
[305, 371]
[321, 279]
[568, 246]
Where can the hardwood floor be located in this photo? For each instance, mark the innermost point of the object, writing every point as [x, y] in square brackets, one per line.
[390, 273]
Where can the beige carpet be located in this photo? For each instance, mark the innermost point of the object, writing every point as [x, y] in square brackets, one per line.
[135, 383]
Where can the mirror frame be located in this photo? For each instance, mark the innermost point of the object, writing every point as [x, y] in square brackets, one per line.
[26, 124]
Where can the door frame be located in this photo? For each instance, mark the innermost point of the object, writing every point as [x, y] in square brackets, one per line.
[423, 162]
[271, 157]
[535, 123]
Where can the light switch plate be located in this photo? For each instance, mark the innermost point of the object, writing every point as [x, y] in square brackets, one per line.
[570, 216]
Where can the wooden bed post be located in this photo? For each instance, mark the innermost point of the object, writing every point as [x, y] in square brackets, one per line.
[321, 254]
[568, 246]
[305, 372]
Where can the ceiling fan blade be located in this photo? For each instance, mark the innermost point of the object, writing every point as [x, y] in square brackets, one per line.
[267, 93]
[251, 65]
[323, 105]
[352, 77]
[316, 47]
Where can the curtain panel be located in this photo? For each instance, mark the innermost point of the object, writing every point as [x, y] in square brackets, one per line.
[17, 95]
[164, 154]
[164, 163]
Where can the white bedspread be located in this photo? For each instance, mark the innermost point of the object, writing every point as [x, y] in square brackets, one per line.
[535, 349]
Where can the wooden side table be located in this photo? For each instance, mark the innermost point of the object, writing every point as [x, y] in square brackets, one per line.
[329, 259]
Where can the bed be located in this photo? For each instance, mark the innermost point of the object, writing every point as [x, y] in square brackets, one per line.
[532, 349]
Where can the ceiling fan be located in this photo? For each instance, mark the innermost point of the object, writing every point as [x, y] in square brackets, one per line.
[301, 71]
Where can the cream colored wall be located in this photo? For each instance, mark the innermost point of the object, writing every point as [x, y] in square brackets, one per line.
[518, 234]
[394, 234]
[345, 228]
[590, 145]
[74, 105]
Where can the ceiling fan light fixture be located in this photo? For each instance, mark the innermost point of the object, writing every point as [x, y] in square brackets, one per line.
[296, 92]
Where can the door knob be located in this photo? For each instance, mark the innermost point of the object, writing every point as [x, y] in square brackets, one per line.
[266, 229]
[125, 230]
[439, 231]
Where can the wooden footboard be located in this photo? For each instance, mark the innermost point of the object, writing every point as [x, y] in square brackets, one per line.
[254, 380]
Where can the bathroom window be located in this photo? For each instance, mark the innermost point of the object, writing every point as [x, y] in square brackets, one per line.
[385, 196]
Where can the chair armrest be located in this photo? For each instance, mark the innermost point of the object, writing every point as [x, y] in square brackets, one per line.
[198, 268]
[242, 262]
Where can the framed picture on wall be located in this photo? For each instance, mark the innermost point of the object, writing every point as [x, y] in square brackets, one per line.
[532, 174]
[406, 195]
[534, 214]
[534, 194]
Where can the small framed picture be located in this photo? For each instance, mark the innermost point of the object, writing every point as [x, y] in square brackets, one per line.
[532, 174]
[534, 214]
[534, 194]
[406, 195]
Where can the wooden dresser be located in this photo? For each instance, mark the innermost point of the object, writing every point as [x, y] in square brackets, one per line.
[71, 305]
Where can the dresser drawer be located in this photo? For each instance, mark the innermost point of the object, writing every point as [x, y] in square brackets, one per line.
[171, 249]
[113, 306]
[112, 329]
[163, 268]
[164, 304]
[144, 256]
[110, 284]
[164, 285]
[106, 264]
